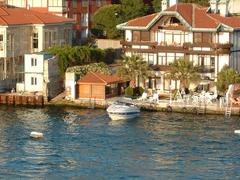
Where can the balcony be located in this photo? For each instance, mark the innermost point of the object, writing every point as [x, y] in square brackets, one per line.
[144, 43]
[206, 44]
[206, 69]
[154, 47]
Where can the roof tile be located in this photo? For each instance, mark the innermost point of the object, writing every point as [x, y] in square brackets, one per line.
[20, 16]
[195, 15]
[97, 78]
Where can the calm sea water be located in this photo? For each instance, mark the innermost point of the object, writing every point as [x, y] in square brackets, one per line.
[86, 144]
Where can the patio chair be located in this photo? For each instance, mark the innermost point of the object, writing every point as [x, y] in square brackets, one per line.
[195, 99]
[235, 101]
[154, 98]
[143, 97]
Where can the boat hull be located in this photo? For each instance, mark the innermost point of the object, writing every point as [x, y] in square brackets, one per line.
[115, 116]
[123, 111]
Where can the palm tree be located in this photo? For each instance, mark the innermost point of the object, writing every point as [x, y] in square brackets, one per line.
[184, 71]
[133, 67]
[226, 77]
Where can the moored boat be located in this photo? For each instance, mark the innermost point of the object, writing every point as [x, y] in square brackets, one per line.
[120, 110]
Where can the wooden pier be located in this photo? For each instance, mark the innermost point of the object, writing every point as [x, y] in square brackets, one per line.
[21, 99]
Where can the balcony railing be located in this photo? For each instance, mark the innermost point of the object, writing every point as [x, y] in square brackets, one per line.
[215, 48]
[130, 43]
[206, 69]
[206, 44]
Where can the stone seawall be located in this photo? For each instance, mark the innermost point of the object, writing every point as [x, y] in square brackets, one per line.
[162, 106]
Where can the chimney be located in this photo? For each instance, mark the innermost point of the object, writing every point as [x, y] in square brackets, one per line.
[2, 3]
[214, 6]
[223, 7]
[164, 5]
[172, 2]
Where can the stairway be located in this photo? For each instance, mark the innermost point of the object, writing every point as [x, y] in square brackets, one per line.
[228, 111]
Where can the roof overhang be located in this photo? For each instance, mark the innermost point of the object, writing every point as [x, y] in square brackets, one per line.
[124, 26]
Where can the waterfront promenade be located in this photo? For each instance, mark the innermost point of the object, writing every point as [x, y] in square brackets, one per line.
[164, 105]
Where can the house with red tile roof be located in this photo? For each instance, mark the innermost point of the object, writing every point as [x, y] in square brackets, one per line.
[81, 11]
[207, 36]
[24, 31]
[99, 86]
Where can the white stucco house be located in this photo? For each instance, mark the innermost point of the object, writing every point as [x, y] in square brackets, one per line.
[41, 75]
[24, 31]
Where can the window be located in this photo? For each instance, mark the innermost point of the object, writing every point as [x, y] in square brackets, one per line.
[201, 61]
[212, 61]
[203, 37]
[84, 3]
[162, 59]
[74, 16]
[33, 81]
[136, 36]
[197, 37]
[207, 37]
[98, 3]
[10, 42]
[35, 40]
[54, 38]
[91, 17]
[33, 62]
[150, 59]
[74, 3]
[55, 3]
[174, 20]
[145, 36]
[1, 42]
[84, 33]
[84, 19]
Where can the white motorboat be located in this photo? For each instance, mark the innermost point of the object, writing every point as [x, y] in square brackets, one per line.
[121, 110]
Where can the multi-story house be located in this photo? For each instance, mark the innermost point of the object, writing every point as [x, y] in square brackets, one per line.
[22, 32]
[80, 10]
[207, 36]
[41, 75]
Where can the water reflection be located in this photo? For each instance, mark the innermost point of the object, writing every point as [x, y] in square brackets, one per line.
[85, 144]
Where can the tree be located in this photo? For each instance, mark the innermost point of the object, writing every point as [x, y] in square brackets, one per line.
[184, 71]
[78, 55]
[132, 68]
[200, 2]
[105, 21]
[226, 77]
[64, 55]
[157, 5]
[131, 9]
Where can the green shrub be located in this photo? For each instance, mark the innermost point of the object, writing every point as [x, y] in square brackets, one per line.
[110, 55]
[129, 91]
[138, 91]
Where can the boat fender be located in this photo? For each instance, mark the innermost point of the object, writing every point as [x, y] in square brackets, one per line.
[169, 109]
[34, 134]
[237, 131]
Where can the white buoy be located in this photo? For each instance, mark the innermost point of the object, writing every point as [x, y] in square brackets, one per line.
[237, 131]
[36, 134]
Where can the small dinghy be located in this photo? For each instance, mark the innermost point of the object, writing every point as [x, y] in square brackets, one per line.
[34, 134]
[121, 110]
[237, 131]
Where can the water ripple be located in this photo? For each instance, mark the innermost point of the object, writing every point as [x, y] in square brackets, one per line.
[86, 144]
